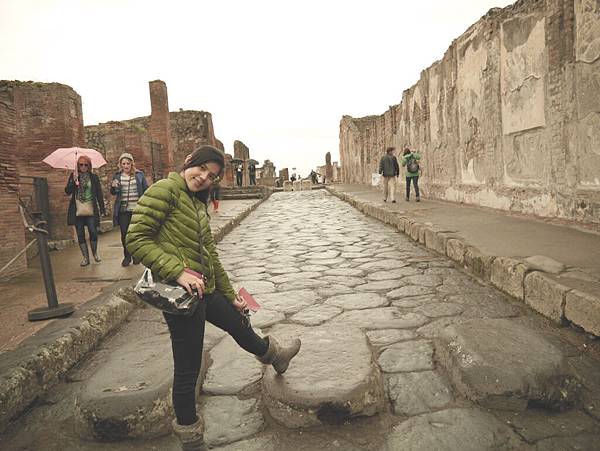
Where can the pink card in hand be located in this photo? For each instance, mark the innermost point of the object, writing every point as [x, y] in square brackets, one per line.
[250, 301]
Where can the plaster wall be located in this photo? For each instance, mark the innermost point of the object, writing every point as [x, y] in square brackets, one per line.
[509, 118]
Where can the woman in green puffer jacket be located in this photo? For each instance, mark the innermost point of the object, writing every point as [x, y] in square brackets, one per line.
[170, 232]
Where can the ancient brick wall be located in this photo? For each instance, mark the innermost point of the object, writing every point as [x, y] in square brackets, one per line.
[48, 116]
[12, 236]
[508, 119]
[189, 130]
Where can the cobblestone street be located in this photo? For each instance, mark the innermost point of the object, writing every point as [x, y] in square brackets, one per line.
[401, 351]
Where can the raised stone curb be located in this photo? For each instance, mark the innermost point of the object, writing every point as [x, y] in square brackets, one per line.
[45, 365]
[549, 296]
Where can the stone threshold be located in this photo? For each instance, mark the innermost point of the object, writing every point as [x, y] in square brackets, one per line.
[44, 359]
[536, 281]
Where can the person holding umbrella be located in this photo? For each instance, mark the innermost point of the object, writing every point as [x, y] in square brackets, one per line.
[128, 184]
[85, 207]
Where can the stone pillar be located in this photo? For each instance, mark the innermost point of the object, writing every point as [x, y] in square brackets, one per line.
[160, 125]
[12, 233]
[48, 117]
[328, 168]
[284, 174]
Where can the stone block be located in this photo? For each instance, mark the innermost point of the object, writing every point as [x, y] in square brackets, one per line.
[545, 295]
[452, 429]
[229, 419]
[543, 263]
[297, 185]
[501, 364]
[288, 186]
[415, 230]
[331, 380]
[306, 185]
[508, 275]
[477, 263]
[402, 224]
[583, 309]
[421, 238]
[455, 250]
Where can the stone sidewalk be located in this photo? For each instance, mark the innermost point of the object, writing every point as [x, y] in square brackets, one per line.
[552, 267]
[401, 350]
[35, 355]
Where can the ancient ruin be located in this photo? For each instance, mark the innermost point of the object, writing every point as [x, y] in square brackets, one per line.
[508, 119]
[38, 118]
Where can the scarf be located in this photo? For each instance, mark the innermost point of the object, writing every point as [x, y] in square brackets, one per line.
[84, 181]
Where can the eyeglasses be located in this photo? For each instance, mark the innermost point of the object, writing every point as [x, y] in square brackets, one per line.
[85, 165]
[211, 175]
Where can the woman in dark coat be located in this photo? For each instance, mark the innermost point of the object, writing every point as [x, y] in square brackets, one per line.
[85, 207]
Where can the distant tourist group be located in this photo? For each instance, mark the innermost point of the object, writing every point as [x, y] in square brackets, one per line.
[390, 171]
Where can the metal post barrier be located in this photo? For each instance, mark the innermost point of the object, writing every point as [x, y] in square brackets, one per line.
[54, 309]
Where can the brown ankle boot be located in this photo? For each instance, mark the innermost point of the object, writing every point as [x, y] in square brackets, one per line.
[279, 356]
[191, 436]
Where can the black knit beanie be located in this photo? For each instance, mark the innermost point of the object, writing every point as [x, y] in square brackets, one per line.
[204, 154]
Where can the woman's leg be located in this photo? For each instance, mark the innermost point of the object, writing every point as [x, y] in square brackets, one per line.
[416, 185]
[407, 188]
[93, 233]
[187, 337]
[124, 221]
[80, 229]
[221, 313]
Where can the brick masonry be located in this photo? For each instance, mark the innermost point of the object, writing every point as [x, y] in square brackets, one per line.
[12, 238]
[509, 118]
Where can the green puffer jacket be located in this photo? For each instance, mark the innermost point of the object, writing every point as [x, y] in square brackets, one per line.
[163, 235]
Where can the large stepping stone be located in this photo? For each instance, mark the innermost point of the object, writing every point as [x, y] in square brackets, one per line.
[129, 396]
[331, 379]
[502, 364]
[451, 430]
[228, 419]
[232, 369]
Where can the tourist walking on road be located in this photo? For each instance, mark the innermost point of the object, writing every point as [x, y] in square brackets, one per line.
[410, 160]
[239, 174]
[85, 207]
[215, 195]
[389, 169]
[128, 184]
[169, 233]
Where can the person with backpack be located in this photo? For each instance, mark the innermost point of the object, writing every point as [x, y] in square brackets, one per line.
[389, 169]
[410, 159]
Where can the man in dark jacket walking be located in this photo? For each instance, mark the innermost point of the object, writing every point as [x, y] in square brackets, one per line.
[389, 168]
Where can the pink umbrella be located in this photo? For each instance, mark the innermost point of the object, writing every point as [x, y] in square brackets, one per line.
[66, 158]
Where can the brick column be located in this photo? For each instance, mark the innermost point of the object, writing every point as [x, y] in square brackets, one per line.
[48, 116]
[12, 233]
[160, 124]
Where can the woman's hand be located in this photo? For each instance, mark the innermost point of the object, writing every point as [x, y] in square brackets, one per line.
[240, 304]
[191, 283]
[115, 183]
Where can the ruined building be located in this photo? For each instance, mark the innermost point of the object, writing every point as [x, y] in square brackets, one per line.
[38, 118]
[508, 119]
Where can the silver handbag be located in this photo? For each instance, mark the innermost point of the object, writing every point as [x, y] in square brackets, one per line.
[169, 297]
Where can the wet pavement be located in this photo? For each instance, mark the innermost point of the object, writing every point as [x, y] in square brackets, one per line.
[391, 333]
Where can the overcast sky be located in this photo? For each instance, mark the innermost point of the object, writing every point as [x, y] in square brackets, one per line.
[277, 75]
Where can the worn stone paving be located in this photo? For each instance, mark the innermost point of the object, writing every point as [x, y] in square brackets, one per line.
[401, 351]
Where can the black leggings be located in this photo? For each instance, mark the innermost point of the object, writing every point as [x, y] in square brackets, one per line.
[187, 339]
[86, 221]
[124, 220]
[415, 181]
